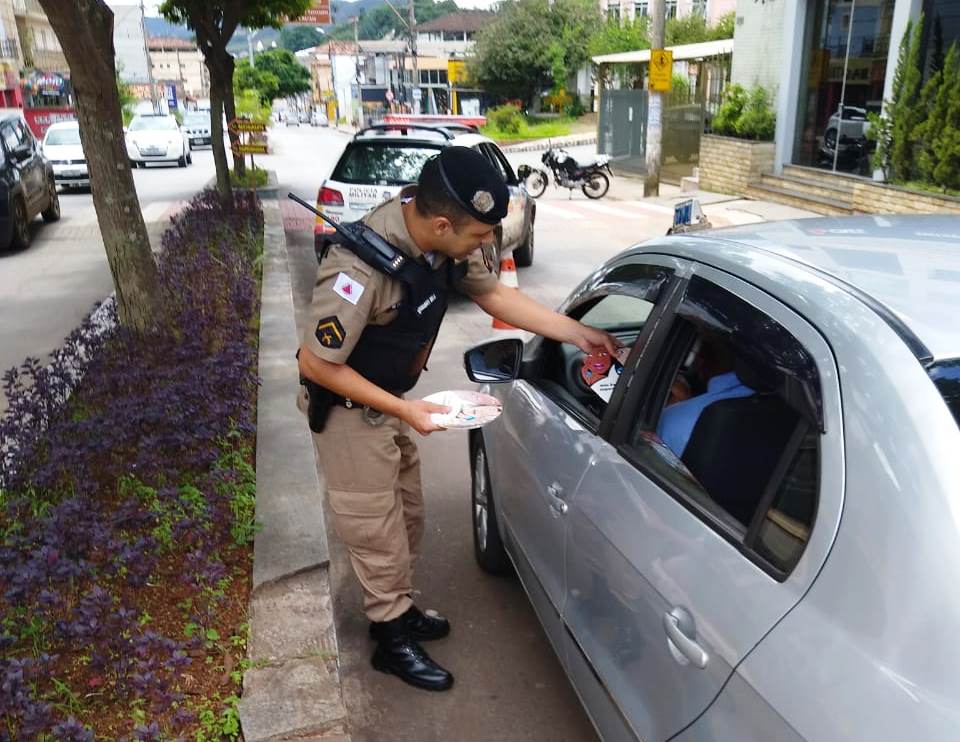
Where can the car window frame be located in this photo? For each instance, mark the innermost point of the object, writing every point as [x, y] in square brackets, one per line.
[649, 370]
[594, 288]
[493, 152]
[8, 126]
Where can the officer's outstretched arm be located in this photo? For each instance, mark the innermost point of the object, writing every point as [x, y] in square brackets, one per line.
[343, 380]
[516, 308]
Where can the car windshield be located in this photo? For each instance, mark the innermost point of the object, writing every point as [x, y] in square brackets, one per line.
[154, 123]
[946, 376]
[383, 163]
[196, 119]
[67, 135]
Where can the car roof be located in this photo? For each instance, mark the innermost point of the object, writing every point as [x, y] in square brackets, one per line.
[905, 267]
[65, 125]
[429, 136]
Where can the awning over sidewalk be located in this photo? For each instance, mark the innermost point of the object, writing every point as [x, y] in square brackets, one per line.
[686, 52]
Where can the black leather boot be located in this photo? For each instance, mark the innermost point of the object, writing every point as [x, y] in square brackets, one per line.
[398, 654]
[421, 627]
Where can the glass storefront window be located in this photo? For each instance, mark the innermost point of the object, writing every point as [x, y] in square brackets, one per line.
[847, 47]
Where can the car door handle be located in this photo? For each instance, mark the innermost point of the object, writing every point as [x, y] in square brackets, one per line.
[556, 501]
[680, 629]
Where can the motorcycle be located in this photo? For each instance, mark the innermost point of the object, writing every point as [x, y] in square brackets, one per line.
[568, 173]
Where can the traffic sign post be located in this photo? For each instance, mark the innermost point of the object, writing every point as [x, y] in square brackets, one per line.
[244, 128]
[250, 148]
[661, 70]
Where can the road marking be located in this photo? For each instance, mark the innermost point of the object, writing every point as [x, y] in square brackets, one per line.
[612, 211]
[555, 210]
[155, 211]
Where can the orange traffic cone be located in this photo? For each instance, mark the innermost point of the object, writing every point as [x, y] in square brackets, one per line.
[508, 277]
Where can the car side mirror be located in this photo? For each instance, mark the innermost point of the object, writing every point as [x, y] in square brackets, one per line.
[524, 172]
[494, 362]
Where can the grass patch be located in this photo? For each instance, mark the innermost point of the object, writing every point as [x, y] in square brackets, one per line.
[251, 178]
[530, 128]
[916, 185]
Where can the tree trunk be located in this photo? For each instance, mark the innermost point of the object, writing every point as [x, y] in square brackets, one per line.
[230, 109]
[216, 135]
[85, 31]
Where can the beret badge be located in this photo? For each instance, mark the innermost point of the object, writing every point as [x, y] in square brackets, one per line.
[483, 202]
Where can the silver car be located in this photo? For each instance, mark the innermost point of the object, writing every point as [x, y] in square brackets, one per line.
[750, 529]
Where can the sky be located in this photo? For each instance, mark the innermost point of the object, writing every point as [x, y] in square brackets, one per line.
[151, 7]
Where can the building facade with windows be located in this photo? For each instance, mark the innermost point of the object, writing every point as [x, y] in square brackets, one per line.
[830, 64]
[179, 62]
[11, 57]
[629, 10]
[454, 33]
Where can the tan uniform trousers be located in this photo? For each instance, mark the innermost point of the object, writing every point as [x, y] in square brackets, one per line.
[375, 495]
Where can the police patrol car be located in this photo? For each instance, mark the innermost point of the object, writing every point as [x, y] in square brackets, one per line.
[381, 159]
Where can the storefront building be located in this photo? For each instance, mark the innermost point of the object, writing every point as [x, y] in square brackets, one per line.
[840, 56]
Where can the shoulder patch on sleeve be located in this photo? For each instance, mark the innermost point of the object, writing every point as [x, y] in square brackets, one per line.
[330, 332]
[348, 288]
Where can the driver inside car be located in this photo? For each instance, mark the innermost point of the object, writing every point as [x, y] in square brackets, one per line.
[713, 365]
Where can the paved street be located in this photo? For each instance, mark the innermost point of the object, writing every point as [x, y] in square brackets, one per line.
[55, 282]
[509, 683]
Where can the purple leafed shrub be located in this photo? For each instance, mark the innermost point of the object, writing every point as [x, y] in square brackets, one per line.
[111, 460]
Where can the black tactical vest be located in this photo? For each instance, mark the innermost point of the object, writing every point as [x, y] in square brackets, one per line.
[392, 356]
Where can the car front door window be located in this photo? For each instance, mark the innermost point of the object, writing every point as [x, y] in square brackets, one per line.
[584, 385]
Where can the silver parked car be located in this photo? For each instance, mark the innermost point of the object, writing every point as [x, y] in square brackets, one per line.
[750, 529]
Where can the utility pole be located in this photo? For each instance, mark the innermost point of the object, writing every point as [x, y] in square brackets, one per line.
[356, 64]
[146, 48]
[412, 24]
[651, 186]
[250, 46]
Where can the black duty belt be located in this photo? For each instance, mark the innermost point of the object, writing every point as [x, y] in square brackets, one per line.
[351, 405]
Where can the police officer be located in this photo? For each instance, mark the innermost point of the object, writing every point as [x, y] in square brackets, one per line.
[368, 339]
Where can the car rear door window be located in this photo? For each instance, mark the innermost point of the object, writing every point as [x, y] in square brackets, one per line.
[729, 422]
[383, 163]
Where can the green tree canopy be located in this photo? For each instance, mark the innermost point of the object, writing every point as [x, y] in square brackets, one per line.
[264, 84]
[296, 38]
[614, 37]
[532, 45]
[693, 29]
[291, 76]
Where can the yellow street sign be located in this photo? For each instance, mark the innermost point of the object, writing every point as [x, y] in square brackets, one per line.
[246, 126]
[250, 149]
[456, 71]
[661, 70]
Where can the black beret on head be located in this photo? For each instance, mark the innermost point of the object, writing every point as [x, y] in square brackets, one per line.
[474, 184]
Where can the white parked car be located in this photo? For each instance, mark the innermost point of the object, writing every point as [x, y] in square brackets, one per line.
[157, 138]
[62, 147]
[197, 125]
[318, 118]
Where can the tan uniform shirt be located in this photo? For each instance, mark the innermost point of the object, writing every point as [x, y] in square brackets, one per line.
[349, 294]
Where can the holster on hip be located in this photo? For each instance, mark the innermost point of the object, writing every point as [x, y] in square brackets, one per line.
[318, 409]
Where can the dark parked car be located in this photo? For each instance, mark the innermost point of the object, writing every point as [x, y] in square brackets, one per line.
[27, 184]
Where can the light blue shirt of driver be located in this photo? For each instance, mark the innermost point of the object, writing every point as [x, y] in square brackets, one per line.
[679, 419]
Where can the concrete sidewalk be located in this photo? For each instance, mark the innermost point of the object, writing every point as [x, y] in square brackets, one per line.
[293, 689]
